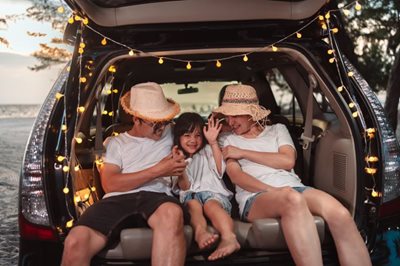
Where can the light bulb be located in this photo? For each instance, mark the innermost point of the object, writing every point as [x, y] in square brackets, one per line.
[298, 35]
[245, 58]
[104, 41]
[160, 61]
[188, 66]
[65, 190]
[60, 10]
[218, 64]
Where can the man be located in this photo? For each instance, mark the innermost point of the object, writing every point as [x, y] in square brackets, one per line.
[136, 178]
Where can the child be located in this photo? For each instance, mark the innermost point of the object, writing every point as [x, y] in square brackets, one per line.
[202, 189]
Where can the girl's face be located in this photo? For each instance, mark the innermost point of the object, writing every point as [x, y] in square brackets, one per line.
[191, 142]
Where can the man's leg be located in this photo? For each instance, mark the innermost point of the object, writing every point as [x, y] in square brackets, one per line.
[81, 244]
[223, 222]
[203, 238]
[296, 220]
[169, 245]
[350, 246]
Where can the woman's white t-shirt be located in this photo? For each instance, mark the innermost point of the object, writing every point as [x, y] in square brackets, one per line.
[133, 154]
[203, 174]
[269, 140]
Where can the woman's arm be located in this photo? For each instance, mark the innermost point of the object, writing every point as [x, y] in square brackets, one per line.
[242, 179]
[285, 158]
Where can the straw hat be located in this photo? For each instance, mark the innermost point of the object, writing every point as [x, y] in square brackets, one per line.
[242, 99]
[147, 101]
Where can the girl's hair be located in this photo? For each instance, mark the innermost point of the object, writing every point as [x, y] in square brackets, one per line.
[187, 123]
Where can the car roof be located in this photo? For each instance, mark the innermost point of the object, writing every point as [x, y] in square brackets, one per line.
[136, 12]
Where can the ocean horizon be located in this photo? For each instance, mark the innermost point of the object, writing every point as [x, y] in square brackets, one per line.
[19, 110]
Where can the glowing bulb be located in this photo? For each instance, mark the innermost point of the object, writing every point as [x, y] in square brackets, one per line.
[245, 58]
[66, 190]
[80, 50]
[81, 109]
[358, 6]
[374, 193]
[131, 53]
[71, 20]
[346, 12]
[110, 113]
[188, 66]
[350, 74]
[355, 114]
[331, 51]
[85, 21]
[64, 127]
[371, 159]
[328, 15]
[78, 140]
[60, 9]
[105, 112]
[99, 162]
[161, 61]
[112, 69]
[93, 189]
[320, 17]
[370, 132]
[104, 41]
[115, 90]
[115, 133]
[298, 35]
[331, 60]
[69, 69]
[70, 223]
[109, 92]
[83, 80]
[66, 168]
[82, 45]
[335, 30]
[77, 199]
[218, 64]
[274, 48]
[324, 27]
[77, 18]
[59, 95]
[340, 88]
[60, 158]
[351, 105]
[77, 168]
[370, 171]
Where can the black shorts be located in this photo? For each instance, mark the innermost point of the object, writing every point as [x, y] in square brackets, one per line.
[110, 215]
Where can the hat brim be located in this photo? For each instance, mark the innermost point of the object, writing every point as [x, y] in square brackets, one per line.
[159, 116]
[256, 111]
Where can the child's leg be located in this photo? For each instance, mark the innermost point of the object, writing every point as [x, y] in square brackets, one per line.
[202, 237]
[223, 222]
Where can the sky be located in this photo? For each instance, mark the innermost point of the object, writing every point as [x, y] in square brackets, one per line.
[18, 84]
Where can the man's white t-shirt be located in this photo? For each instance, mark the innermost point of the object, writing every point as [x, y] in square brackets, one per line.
[269, 140]
[203, 174]
[133, 154]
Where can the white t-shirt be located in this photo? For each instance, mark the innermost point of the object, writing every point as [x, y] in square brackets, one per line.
[203, 174]
[269, 140]
[133, 154]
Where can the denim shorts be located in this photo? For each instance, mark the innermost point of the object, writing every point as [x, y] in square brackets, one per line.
[250, 201]
[205, 196]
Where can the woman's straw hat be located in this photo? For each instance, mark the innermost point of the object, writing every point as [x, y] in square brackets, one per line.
[242, 99]
[147, 101]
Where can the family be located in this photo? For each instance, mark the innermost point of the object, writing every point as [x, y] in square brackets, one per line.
[143, 166]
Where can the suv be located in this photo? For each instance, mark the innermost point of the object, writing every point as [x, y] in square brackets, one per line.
[287, 50]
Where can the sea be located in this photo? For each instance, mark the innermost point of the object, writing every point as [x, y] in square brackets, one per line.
[15, 124]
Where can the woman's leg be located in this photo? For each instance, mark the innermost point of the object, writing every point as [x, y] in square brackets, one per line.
[203, 238]
[223, 222]
[296, 220]
[350, 246]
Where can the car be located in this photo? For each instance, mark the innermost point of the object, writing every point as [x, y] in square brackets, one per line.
[289, 51]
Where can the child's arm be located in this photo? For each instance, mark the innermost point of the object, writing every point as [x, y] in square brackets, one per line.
[211, 133]
[183, 181]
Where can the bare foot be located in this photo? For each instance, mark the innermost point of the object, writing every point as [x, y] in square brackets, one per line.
[225, 248]
[206, 239]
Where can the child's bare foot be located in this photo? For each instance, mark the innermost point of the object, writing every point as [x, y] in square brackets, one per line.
[205, 239]
[225, 248]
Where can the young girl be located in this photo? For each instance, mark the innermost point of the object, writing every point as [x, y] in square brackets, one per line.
[202, 188]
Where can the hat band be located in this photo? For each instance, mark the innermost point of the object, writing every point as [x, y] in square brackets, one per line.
[241, 101]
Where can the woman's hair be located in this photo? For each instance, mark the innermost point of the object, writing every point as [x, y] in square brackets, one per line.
[187, 123]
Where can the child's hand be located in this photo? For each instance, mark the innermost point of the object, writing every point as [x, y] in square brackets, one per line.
[212, 130]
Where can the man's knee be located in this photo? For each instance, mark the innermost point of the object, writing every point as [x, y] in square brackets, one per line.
[168, 215]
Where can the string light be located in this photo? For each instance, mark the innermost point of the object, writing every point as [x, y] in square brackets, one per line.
[340, 88]
[358, 6]
[371, 159]
[245, 58]
[104, 41]
[346, 12]
[330, 51]
[59, 95]
[71, 20]
[374, 193]
[131, 53]
[351, 105]
[83, 80]
[218, 64]
[77, 168]
[60, 158]
[350, 74]
[370, 170]
[63, 127]
[298, 35]
[335, 30]
[161, 61]
[60, 9]
[274, 48]
[81, 109]
[78, 140]
[70, 223]
[331, 60]
[66, 168]
[188, 66]
[66, 190]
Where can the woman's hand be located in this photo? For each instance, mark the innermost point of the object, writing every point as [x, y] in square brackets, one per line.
[232, 152]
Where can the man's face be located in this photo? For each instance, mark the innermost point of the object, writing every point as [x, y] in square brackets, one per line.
[240, 124]
[152, 130]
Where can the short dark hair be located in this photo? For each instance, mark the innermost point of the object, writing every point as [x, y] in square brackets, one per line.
[187, 123]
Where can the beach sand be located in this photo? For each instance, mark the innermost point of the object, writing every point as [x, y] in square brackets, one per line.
[14, 133]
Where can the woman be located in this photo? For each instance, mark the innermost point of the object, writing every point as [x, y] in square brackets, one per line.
[260, 161]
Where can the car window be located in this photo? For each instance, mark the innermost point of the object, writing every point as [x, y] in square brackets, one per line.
[203, 101]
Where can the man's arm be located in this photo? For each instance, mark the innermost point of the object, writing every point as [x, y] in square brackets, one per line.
[114, 181]
[244, 180]
[285, 158]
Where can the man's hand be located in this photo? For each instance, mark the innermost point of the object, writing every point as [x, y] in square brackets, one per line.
[174, 164]
[232, 152]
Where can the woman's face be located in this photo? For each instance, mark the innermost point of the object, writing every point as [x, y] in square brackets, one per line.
[240, 124]
[191, 142]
